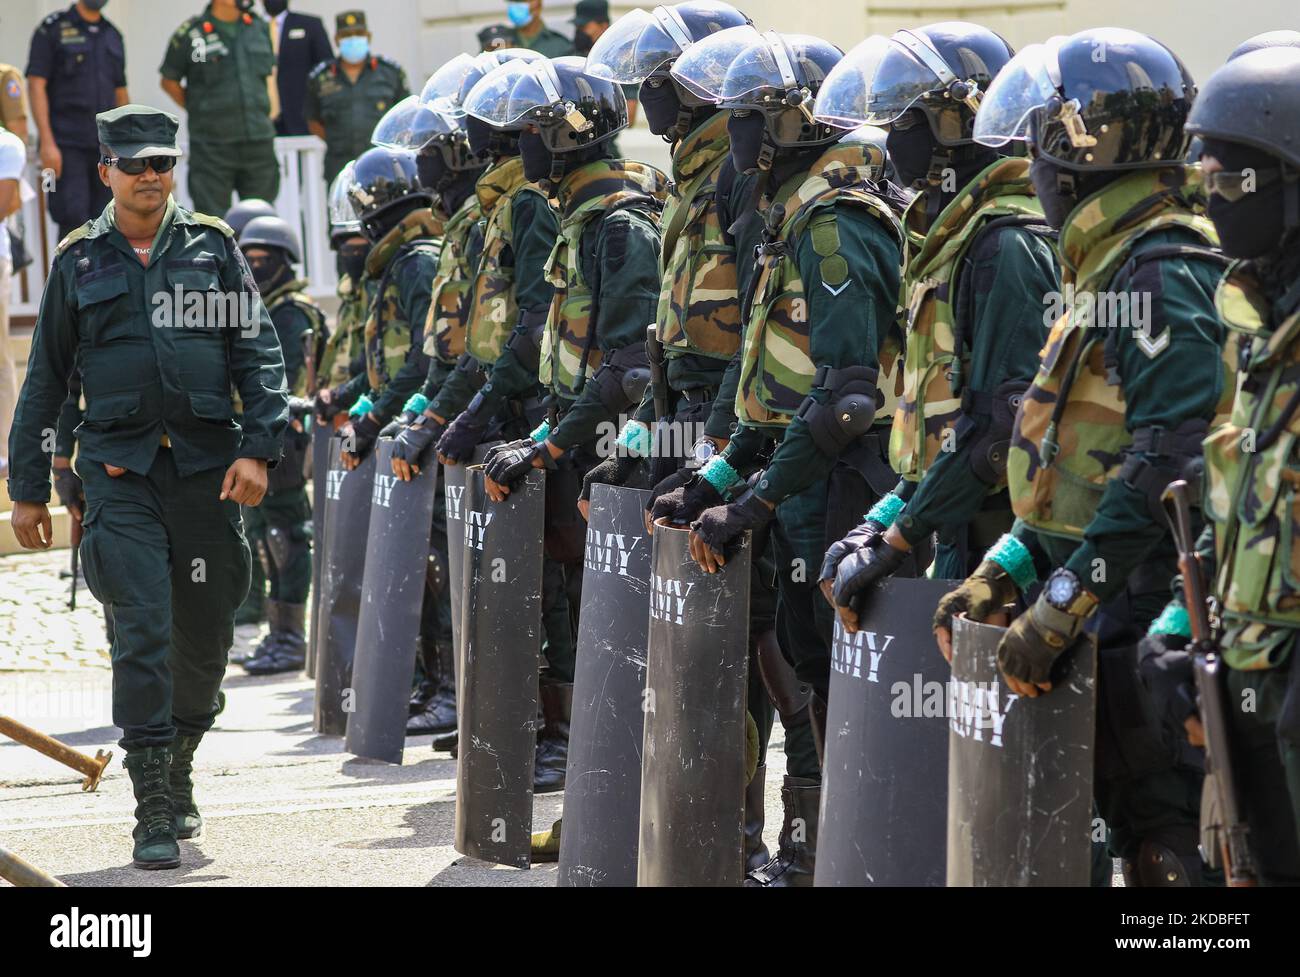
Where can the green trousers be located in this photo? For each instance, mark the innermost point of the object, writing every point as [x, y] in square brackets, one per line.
[170, 561]
[279, 531]
[1266, 735]
[219, 169]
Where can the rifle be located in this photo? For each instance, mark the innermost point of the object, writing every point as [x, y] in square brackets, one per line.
[1212, 699]
[658, 381]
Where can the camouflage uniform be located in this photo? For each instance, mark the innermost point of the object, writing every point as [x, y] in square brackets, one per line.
[1129, 391]
[973, 286]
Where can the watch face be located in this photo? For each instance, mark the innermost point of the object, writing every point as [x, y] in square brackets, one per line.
[703, 451]
[1061, 589]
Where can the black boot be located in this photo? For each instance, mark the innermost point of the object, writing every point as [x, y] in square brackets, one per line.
[269, 640]
[756, 853]
[189, 822]
[817, 719]
[439, 713]
[553, 743]
[797, 855]
[289, 654]
[155, 827]
[420, 697]
[446, 743]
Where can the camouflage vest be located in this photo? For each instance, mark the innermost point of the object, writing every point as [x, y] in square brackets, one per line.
[444, 330]
[1253, 482]
[569, 350]
[292, 294]
[492, 311]
[388, 334]
[698, 310]
[777, 370]
[346, 338]
[932, 364]
[1057, 471]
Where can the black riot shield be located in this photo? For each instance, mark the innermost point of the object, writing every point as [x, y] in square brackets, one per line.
[392, 595]
[884, 814]
[693, 751]
[347, 520]
[602, 794]
[320, 466]
[497, 698]
[453, 483]
[1020, 769]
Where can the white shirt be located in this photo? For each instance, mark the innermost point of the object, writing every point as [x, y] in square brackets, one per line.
[13, 159]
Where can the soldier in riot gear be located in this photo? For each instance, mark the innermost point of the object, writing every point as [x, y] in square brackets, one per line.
[825, 283]
[344, 355]
[1252, 175]
[1113, 415]
[279, 530]
[590, 348]
[979, 260]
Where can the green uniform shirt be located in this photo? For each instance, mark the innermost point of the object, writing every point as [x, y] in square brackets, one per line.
[349, 110]
[547, 42]
[149, 364]
[224, 66]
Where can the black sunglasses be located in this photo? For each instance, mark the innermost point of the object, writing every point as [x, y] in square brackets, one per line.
[136, 166]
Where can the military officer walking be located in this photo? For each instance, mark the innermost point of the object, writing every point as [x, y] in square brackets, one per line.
[224, 58]
[348, 95]
[76, 66]
[164, 464]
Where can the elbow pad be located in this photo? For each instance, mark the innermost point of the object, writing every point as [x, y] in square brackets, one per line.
[988, 455]
[1159, 456]
[526, 340]
[623, 377]
[849, 411]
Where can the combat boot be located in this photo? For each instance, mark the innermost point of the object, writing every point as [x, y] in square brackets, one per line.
[269, 640]
[553, 744]
[189, 822]
[446, 743]
[1158, 866]
[439, 713]
[756, 853]
[289, 653]
[796, 856]
[545, 846]
[155, 827]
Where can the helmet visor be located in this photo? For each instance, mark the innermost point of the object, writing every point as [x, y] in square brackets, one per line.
[408, 125]
[444, 84]
[1028, 82]
[875, 83]
[342, 216]
[703, 68]
[508, 93]
[636, 44]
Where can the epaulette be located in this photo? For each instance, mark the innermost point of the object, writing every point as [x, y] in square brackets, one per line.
[388, 61]
[73, 237]
[216, 222]
[54, 18]
[185, 27]
[319, 68]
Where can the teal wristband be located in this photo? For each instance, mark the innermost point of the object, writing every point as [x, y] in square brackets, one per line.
[1012, 556]
[541, 432]
[1172, 620]
[364, 405]
[635, 439]
[886, 511]
[718, 473]
[417, 404]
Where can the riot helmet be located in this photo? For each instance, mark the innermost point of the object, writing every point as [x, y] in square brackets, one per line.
[385, 188]
[278, 243]
[244, 211]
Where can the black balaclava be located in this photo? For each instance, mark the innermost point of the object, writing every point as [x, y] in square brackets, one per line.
[1253, 226]
[376, 228]
[1060, 189]
[481, 137]
[746, 133]
[352, 258]
[665, 113]
[457, 191]
[911, 150]
[270, 271]
[537, 158]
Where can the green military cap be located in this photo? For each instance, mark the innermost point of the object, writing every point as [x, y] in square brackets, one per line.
[495, 36]
[350, 22]
[132, 131]
[588, 11]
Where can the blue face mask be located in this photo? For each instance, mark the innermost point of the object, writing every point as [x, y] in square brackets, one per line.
[519, 13]
[354, 48]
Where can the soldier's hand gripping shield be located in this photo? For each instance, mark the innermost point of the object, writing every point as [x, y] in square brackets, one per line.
[884, 816]
[497, 699]
[1020, 770]
[602, 799]
[693, 753]
[392, 595]
[347, 520]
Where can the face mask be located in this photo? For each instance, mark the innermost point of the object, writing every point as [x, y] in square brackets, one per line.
[911, 149]
[267, 272]
[660, 106]
[352, 260]
[537, 158]
[354, 48]
[1057, 204]
[519, 13]
[746, 132]
[433, 174]
[1252, 226]
[480, 136]
[582, 42]
[274, 8]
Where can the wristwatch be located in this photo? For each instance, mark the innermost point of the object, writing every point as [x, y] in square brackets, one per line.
[1064, 592]
[703, 449]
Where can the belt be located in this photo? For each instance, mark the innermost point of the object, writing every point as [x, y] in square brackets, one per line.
[165, 441]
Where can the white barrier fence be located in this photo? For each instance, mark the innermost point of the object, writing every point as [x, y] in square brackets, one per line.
[301, 202]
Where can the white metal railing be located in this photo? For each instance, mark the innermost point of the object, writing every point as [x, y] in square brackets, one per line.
[301, 202]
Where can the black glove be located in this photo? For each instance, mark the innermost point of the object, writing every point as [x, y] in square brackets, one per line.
[326, 409]
[362, 433]
[615, 470]
[404, 419]
[1166, 671]
[857, 538]
[413, 442]
[300, 407]
[862, 570]
[510, 463]
[721, 527]
[461, 437]
[67, 485]
[681, 497]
